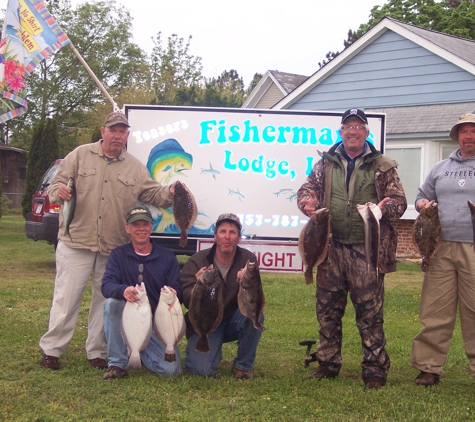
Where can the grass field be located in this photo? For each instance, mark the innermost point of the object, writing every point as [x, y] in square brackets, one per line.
[279, 390]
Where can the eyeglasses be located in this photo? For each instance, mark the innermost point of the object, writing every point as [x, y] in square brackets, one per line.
[140, 275]
[357, 127]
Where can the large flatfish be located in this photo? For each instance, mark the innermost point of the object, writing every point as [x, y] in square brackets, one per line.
[313, 241]
[427, 233]
[168, 322]
[136, 326]
[471, 206]
[206, 306]
[69, 207]
[184, 210]
[251, 299]
[371, 214]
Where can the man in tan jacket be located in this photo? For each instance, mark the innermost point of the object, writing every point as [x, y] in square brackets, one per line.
[108, 182]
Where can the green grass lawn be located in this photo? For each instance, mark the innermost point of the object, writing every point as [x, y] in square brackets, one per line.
[279, 390]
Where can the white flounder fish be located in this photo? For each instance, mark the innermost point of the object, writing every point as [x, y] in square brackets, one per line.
[169, 322]
[137, 326]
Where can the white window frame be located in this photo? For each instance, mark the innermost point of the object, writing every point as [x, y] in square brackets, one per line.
[411, 212]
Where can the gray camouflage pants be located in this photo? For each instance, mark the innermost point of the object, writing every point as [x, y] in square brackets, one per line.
[347, 272]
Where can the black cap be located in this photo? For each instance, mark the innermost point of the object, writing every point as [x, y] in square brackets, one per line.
[354, 112]
[139, 213]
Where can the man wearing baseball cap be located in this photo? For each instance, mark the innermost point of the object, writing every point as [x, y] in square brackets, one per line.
[229, 258]
[353, 173]
[450, 282]
[140, 260]
[108, 182]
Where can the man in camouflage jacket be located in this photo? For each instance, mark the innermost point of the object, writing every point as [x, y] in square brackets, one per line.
[353, 172]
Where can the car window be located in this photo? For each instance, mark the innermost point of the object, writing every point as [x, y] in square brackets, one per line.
[46, 180]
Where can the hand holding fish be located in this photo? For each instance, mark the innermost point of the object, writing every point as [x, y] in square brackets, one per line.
[130, 294]
[64, 192]
[200, 272]
[171, 188]
[422, 203]
[310, 202]
[382, 205]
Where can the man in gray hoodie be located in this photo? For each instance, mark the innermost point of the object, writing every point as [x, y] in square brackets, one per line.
[451, 279]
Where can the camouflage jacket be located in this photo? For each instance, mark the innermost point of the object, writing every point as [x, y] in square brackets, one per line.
[387, 184]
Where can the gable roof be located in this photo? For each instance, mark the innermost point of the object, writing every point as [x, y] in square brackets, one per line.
[281, 83]
[459, 51]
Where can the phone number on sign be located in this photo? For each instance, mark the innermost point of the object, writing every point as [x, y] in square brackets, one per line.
[276, 220]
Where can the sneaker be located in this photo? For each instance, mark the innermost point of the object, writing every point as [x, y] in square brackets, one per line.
[239, 374]
[98, 363]
[114, 372]
[427, 379]
[50, 362]
[322, 373]
[374, 383]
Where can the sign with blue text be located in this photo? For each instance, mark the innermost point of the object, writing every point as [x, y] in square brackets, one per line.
[245, 161]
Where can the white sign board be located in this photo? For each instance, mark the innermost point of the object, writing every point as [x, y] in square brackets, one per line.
[245, 161]
[271, 256]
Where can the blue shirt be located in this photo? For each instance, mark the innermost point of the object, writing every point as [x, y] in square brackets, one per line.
[160, 268]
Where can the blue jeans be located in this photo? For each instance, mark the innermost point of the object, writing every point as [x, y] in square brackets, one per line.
[152, 356]
[239, 328]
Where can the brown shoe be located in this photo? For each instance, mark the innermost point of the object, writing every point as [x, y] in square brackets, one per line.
[50, 362]
[427, 379]
[374, 383]
[114, 372]
[239, 374]
[98, 363]
[322, 373]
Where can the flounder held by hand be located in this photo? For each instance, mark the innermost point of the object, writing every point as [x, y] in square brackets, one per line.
[136, 326]
[427, 233]
[313, 241]
[206, 306]
[251, 299]
[168, 322]
[185, 211]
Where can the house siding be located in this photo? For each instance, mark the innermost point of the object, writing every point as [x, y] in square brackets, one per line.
[391, 72]
[272, 96]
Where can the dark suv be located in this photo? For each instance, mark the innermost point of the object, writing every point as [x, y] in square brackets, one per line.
[42, 223]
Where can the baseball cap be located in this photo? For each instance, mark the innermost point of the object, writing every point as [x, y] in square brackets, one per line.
[139, 213]
[354, 112]
[464, 118]
[232, 218]
[116, 118]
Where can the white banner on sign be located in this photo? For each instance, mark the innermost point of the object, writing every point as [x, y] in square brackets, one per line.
[282, 257]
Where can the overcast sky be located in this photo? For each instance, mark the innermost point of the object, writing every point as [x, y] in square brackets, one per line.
[250, 35]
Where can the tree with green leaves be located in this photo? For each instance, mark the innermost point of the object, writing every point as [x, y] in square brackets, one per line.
[61, 87]
[452, 17]
[43, 151]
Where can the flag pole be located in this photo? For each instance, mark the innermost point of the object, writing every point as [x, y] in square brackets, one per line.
[94, 77]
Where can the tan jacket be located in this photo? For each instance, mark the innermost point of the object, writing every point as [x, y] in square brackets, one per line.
[105, 192]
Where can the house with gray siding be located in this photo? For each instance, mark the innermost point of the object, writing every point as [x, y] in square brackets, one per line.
[421, 79]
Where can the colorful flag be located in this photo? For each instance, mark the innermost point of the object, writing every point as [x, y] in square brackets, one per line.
[30, 34]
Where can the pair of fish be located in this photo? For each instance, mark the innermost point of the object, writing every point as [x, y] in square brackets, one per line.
[185, 211]
[207, 302]
[69, 208]
[371, 214]
[136, 324]
[313, 241]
